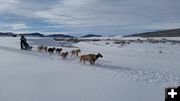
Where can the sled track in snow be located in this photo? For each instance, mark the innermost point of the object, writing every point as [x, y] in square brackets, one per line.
[154, 77]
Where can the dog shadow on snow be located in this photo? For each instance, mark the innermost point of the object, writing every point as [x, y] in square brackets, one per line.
[111, 67]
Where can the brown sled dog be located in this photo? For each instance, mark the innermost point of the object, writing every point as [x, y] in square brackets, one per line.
[45, 48]
[90, 57]
[75, 52]
[64, 55]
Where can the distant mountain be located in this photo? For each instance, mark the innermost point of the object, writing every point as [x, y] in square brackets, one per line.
[36, 35]
[7, 34]
[91, 35]
[60, 36]
[33, 34]
[116, 36]
[164, 33]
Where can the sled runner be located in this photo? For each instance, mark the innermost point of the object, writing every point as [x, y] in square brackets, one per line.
[28, 48]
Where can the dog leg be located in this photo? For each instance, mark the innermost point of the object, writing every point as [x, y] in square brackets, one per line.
[80, 60]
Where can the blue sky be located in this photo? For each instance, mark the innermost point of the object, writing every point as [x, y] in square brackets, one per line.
[78, 17]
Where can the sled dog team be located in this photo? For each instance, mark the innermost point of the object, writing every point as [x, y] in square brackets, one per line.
[91, 58]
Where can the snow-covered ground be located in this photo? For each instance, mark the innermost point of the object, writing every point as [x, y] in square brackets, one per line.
[134, 72]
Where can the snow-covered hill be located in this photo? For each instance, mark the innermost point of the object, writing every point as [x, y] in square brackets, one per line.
[134, 72]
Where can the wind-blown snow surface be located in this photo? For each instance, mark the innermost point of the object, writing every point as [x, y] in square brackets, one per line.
[136, 72]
